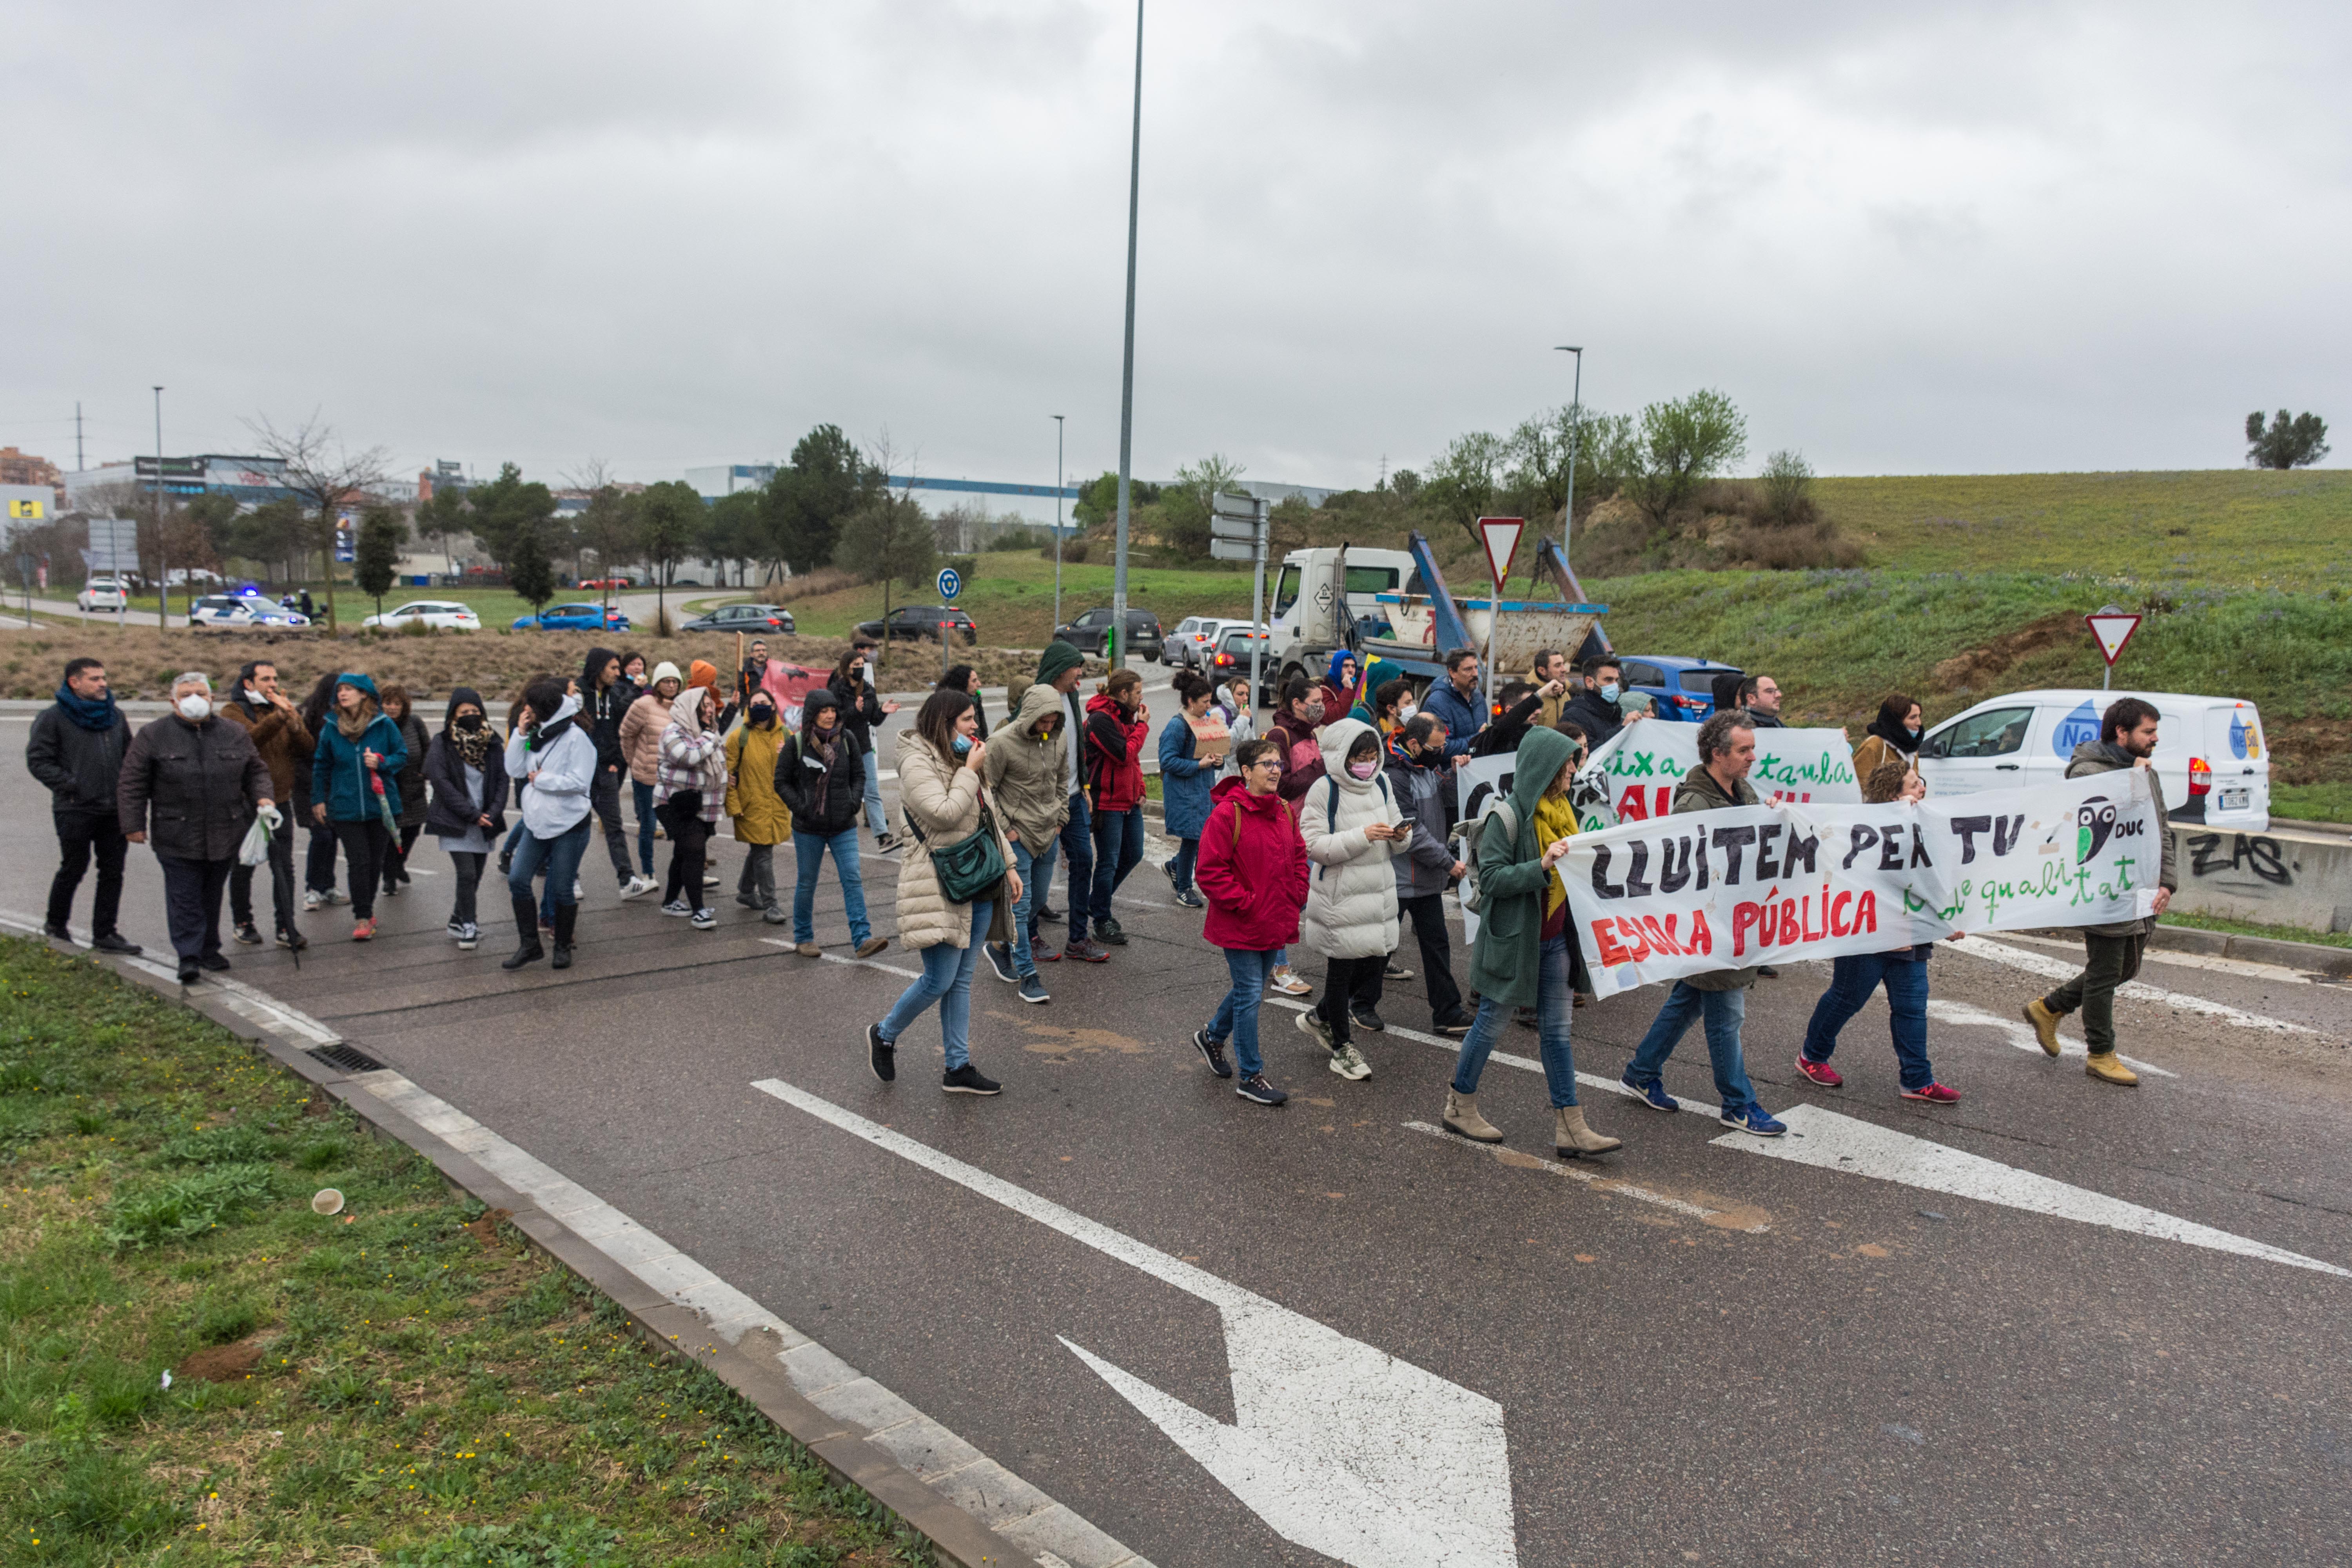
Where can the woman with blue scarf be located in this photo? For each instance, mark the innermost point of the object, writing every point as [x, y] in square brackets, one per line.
[355, 787]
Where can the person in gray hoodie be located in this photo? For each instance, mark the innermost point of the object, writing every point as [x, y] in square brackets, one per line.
[1024, 772]
[2112, 953]
[1422, 775]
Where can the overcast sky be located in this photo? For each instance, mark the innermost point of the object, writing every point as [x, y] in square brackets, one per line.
[1904, 239]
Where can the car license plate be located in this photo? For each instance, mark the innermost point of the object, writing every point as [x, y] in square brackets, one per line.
[2236, 799]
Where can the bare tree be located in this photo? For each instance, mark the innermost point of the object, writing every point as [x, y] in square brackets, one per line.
[317, 469]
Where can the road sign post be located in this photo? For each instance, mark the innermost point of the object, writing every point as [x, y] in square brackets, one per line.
[2112, 628]
[1237, 531]
[1500, 535]
[950, 583]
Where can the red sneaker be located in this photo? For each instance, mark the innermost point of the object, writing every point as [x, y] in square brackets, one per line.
[1934, 1094]
[1821, 1073]
[364, 931]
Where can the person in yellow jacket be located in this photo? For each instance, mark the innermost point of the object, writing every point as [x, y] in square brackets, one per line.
[761, 818]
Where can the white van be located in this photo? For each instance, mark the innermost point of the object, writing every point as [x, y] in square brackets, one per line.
[2210, 755]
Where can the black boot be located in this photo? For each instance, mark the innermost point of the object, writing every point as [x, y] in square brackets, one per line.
[526, 914]
[566, 917]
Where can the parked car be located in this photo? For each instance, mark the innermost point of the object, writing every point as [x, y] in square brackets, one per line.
[586, 583]
[919, 621]
[104, 594]
[2210, 755]
[1194, 643]
[228, 610]
[574, 618]
[1233, 657]
[1681, 689]
[1091, 633]
[436, 615]
[753, 618]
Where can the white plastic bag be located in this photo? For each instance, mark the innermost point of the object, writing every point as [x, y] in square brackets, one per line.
[255, 850]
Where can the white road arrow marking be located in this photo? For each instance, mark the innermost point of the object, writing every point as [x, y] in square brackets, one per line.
[1835, 1142]
[1340, 1447]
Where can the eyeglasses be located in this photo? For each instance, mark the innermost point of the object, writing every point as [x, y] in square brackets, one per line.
[1267, 762]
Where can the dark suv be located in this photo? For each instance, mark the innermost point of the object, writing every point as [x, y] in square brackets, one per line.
[743, 618]
[1091, 633]
[919, 621]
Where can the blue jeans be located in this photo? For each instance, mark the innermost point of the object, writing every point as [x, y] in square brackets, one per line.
[1554, 1005]
[1852, 980]
[1036, 871]
[560, 856]
[645, 797]
[1078, 855]
[1236, 1018]
[1119, 849]
[1724, 1011]
[874, 818]
[947, 980]
[809, 852]
[1179, 866]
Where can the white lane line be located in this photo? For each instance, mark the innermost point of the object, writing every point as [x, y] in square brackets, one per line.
[1835, 1142]
[2245, 967]
[1338, 1445]
[853, 962]
[2130, 991]
[1604, 1182]
[2019, 1033]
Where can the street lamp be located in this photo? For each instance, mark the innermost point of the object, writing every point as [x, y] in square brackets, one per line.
[162, 557]
[1116, 644]
[1057, 523]
[1575, 430]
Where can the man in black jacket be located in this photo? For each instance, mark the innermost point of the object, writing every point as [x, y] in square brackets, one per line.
[76, 753]
[1760, 695]
[1594, 710]
[604, 698]
[200, 781]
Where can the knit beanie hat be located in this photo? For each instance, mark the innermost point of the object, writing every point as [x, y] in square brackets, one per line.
[1058, 657]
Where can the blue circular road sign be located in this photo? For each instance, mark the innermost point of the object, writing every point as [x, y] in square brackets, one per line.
[950, 583]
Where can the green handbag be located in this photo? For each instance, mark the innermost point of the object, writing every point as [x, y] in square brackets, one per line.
[969, 867]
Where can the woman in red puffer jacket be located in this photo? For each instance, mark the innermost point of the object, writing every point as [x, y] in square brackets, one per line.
[1117, 728]
[1253, 871]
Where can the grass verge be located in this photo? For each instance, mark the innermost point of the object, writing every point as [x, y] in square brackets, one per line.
[2252, 928]
[2312, 801]
[403, 1382]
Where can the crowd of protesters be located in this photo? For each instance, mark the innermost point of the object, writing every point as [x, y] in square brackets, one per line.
[1328, 834]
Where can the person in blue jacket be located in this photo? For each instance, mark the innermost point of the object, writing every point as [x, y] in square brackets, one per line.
[1186, 776]
[355, 788]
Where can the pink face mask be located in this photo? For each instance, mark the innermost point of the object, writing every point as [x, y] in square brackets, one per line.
[1366, 768]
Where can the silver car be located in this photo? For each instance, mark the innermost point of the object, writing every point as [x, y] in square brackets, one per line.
[1193, 644]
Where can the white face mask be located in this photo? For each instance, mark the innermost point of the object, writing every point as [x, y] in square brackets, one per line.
[1405, 711]
[1607, 691]
[195, 707]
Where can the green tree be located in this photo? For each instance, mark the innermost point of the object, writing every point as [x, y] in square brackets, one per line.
[1787, 484]
[670, 517]
[530, 570]
[376, 554]
[276, 533]
[1097, 502]
[2289, 441]
[1681, 445]
[1460, 485]
[803, 506]
[889, 540]
[732, 530]
[510, 513]
[1535, 457]
[444, 517]
[1185, 505]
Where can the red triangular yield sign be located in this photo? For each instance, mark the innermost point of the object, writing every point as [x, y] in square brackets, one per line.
[1501, 535]
[2112, 632]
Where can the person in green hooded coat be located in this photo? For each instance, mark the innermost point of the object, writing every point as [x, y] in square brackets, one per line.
[1521, 956]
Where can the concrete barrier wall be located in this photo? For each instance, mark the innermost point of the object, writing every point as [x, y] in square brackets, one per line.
[2276, 879]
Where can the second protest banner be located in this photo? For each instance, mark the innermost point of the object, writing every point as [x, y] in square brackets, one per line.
[1631, 778]
[1724, 889]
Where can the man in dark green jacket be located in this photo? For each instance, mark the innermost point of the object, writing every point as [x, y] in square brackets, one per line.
[1726, 750]
[1520, 959]
[2127, 740]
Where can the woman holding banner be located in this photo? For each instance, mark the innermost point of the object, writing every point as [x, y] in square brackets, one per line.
[1521, 956]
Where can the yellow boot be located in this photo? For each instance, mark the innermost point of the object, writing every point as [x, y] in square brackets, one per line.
[2109, 1067]
[2045, 1024]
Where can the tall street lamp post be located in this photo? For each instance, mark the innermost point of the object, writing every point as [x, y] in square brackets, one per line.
[162, 556]
[1575, 433]
[1058, 522]
[1117, 643]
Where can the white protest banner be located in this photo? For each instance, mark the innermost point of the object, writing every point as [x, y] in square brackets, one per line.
[1761, 884]
[1633, 776]
[1484, 779]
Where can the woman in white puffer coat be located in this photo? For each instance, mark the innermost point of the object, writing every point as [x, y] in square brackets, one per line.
[1352, 826]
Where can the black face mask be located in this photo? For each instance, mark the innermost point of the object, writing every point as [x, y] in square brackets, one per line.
[468, 721]
[762, 714]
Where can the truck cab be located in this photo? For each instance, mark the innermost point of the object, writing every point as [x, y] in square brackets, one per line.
[1303, 620]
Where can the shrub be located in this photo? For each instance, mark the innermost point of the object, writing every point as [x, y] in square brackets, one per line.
[187, 1207]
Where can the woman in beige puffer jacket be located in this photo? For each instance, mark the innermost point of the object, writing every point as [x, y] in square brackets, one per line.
[1351, 823]
[940, 793]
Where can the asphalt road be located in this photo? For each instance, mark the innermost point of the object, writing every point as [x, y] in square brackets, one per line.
[1720, 1353]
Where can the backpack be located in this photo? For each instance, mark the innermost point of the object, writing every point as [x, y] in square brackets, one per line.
[1237, 823]
[1468, 834]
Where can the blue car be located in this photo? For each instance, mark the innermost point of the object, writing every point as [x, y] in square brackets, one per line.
[575, 619]
[1683, 690]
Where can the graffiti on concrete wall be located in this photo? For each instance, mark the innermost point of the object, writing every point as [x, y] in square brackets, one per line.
[2219, 855]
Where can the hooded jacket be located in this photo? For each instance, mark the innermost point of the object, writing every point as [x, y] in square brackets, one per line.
[1351, 899]
[760, 813]
[1427, 793]
[641, 726]
[1699, 792]
[942, 801]
[414, 738]
[199, 782]
[453, 809]
[602, 710]
[1506, 961]
[1252, 870]
[1184, 780]
[278, 734]
[339, 776]
[79, 766]
[555, 800]
[692, 758]
[1114, 745]
[2107, 757]
[1337, 698]
[801, 774]
[1024, 771]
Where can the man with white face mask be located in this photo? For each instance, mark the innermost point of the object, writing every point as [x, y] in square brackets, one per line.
[205, 783]
[1594, 710]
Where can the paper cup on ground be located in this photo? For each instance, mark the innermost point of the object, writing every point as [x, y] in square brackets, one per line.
[327, 1201]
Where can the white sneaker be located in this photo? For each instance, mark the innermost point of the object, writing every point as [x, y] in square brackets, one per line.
[705, 919]
[1287, 982]
[1350, 1064]
[711, 879]
[578, 892]
[678, 907]
[470, 937]
[639, 886]
[310, 899]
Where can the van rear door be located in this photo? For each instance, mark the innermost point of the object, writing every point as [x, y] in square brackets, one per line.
[2239, 765]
